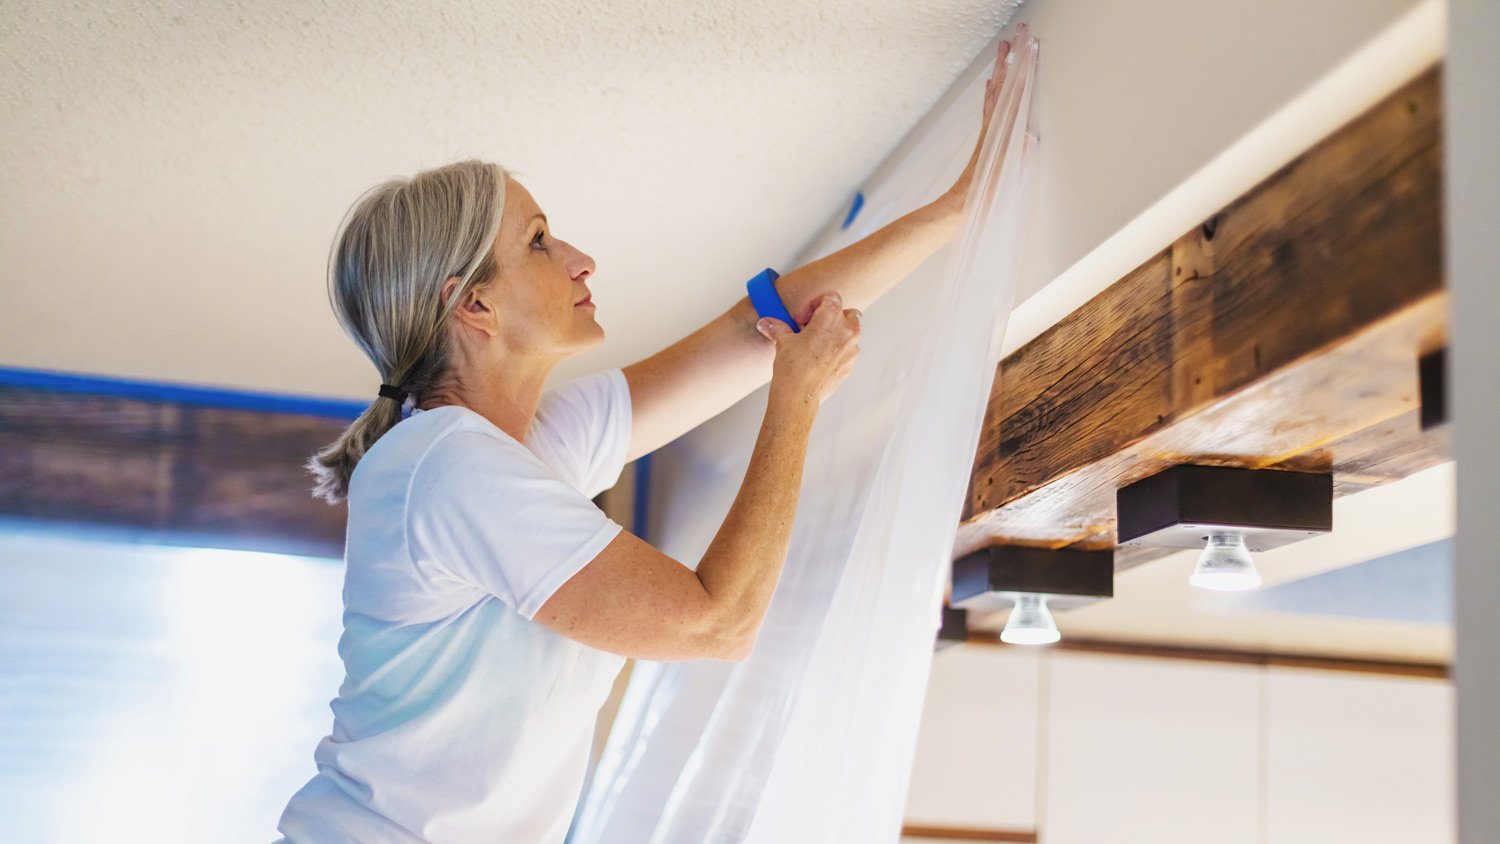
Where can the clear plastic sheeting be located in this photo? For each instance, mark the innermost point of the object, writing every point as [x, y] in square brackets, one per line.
[811, 738]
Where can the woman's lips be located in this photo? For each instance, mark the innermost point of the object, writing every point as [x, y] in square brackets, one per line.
[587, 300]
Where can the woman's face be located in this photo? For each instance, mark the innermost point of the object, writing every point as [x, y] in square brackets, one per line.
[542, 296]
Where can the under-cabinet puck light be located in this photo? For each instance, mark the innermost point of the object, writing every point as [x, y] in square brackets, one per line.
[1030, 623]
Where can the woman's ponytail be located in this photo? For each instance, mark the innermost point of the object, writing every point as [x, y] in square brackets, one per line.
[333, 465]
[396, 247]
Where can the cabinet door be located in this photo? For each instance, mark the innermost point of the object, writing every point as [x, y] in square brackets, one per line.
[1354, 757]
[976, 753]
[1142, 751]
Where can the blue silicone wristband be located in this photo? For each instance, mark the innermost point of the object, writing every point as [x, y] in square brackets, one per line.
[766, 300]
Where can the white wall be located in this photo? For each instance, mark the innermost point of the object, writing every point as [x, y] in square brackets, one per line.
[1133, 749]
[1473, 229]
[1136, 97]
[1154, 114]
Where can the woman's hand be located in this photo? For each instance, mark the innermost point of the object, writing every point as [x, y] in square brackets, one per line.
[634, 600]
[813, 363]
[957, 194]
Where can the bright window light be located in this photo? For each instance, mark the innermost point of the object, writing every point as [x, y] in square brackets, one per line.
[153, 693]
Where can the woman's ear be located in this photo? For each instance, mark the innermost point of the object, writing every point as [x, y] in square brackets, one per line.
[473, 310]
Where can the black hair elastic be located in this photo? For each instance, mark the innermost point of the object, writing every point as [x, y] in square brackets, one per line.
[396, 393]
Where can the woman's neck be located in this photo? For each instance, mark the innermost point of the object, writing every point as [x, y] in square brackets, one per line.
[506, 393]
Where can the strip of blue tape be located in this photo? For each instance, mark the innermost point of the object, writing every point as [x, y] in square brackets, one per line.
[854, 208]
[642, 512]
[67, 382]
[766, 300]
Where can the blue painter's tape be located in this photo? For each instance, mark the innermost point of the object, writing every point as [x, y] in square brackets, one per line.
[767, 301]
[642, 513]
[66, 382]
[854, 208]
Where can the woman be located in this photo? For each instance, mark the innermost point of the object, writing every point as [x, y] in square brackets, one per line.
[488, 603]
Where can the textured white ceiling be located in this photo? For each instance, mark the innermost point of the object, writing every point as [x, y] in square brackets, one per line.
[172, 172]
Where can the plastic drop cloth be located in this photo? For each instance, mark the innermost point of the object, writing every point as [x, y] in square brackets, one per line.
[811, 738]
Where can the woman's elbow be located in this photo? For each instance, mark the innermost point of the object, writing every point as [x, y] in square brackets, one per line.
[738, 649]
[727, 643]
[723, 631]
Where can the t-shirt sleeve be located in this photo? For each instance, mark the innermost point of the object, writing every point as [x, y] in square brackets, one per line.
[489, 513]
[582, 430]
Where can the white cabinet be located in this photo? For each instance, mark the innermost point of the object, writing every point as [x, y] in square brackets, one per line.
[1126, 750]
[976, 752]
[1353, 757]
[1148, 751]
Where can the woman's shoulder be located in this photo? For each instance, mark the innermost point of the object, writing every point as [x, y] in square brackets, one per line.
[586, 398]
[582, 430]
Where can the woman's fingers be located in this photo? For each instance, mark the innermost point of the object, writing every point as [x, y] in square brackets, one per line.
[835, 323]
[818, 359]
[829, 306]
[1002, 64]
[828, 310]
[772, 328]
[804, 315]
[996, 81]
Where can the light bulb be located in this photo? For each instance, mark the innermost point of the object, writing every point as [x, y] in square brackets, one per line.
[1030, 623]
[1226, 565]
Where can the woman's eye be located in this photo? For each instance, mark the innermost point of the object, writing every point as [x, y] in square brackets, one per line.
[536, 242]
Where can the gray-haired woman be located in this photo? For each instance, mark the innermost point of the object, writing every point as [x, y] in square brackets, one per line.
[488, 603]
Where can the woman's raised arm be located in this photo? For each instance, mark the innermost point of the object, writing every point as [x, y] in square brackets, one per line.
[694, 379]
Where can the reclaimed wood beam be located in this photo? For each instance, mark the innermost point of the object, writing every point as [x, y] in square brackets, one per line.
[1284, 332]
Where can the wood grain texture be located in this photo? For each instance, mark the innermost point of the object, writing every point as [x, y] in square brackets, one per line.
[1283, 332]
[231, 478]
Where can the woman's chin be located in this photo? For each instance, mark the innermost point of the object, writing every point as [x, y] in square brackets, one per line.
[586, 337]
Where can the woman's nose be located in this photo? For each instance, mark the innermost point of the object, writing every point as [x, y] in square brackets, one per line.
[580, 265]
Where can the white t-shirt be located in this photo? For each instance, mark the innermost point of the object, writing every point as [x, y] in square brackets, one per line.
[460, 719]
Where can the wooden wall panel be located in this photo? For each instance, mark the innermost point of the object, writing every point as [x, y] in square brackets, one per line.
[230, 478]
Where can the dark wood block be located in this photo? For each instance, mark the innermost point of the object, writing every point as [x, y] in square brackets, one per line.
[1175, 508]
[954, 627]
[1432, 380]
[1012, 568]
